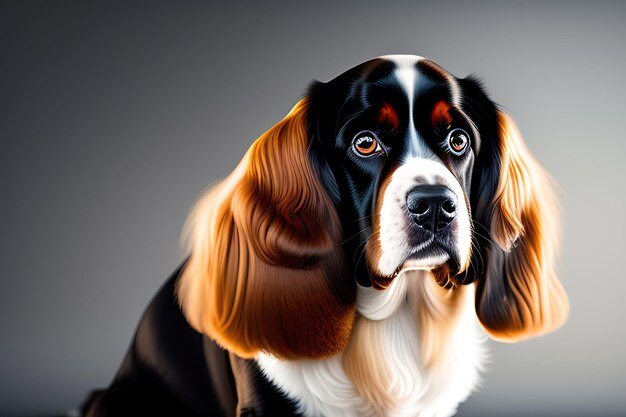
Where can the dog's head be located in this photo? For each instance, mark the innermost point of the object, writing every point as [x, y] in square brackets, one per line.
[393, 165]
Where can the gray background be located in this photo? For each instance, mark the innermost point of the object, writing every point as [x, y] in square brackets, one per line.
[114, 117]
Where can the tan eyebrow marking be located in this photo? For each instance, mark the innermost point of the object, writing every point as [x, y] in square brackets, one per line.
[388, 116]
[441, 113]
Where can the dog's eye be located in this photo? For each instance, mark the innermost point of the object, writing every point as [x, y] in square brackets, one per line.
[458, 141]
[365, 143]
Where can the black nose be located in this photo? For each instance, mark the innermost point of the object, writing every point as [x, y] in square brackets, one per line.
[432, 207]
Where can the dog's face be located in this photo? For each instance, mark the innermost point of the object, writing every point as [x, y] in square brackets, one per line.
[393, 165]
[400, 151]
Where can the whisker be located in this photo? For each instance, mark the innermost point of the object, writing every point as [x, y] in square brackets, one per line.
[369, 216]
[479, 255]
[362, 252]
[355, 235]
[475, 223]
[364, 246]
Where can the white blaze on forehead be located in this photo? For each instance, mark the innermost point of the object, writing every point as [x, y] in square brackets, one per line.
[406, 73]
[394, 216]
[402, 56]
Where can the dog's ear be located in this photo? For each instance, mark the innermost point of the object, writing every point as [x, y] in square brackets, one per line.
[516, 220]
[265, 271]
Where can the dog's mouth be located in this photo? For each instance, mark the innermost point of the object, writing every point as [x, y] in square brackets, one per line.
[426, 257]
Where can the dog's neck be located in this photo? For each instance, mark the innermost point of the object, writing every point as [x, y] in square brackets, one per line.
[415, 350]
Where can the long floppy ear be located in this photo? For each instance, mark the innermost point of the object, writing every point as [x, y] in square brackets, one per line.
[518, 294]
[266, 272]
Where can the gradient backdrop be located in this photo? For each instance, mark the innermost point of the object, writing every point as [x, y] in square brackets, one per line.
[115, 117]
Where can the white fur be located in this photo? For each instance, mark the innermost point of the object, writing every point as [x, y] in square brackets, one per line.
[322, 387]
[393, 213]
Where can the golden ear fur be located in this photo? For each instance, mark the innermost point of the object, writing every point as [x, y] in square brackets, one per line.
[265, 271]
[520, 295]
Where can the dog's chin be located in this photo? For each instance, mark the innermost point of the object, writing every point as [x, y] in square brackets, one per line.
[426, 259]
[423, 263]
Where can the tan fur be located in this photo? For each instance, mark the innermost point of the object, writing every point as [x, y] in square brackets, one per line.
[366, 365]
[435, 310]
[520, 296]
[440, 114]
[438, 311]
[265, 271]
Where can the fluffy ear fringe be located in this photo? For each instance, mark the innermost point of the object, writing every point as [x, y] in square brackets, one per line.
[265, 271]
[520, 296]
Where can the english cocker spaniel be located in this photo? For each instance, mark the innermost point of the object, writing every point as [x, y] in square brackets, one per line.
[352, 261]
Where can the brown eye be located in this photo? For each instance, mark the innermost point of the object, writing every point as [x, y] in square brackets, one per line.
[365, 143]
[458, 141]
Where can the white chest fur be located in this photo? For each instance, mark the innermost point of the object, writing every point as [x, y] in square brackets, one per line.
[415, 350]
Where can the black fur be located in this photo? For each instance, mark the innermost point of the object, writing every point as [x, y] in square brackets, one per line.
[172, 370]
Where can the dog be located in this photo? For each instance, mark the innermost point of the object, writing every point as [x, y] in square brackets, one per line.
[354, 261]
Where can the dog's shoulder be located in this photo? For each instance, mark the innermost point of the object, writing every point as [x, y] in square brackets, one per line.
[170, 369]
[166, 370]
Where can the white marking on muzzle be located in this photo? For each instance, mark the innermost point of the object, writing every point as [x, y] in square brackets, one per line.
[394, 216]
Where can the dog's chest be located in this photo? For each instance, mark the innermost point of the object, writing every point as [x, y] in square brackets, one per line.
[385, 370]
